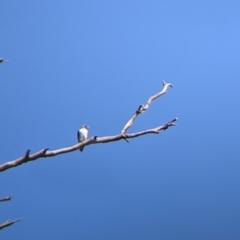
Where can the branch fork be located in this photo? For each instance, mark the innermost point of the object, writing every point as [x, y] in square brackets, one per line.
[142, 108]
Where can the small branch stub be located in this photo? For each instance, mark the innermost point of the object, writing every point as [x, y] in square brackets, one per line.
[2, 60]
[45, 150]
[140, 109]
[27, 154]
[124, 137]
[8, 198]
[170, 123]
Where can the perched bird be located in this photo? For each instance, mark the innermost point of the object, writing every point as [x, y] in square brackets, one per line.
[2, 60]
[82, 135]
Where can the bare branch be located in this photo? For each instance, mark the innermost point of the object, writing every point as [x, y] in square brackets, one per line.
[8, 198]
[141, 109]
[93, 140]
[9, 223]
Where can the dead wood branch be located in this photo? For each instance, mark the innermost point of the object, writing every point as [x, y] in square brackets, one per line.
[8, 198]
[93, 140]
[142, 108]
[9, 223]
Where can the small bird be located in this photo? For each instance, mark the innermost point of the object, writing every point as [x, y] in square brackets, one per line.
[2, 60]
[82, 135]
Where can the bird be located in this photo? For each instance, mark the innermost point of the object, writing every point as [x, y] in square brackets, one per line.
[2, 60]
[82, 134]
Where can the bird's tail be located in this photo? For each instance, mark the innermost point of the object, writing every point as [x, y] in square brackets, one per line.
[81, 149]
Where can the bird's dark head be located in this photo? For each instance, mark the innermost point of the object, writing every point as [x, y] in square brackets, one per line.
[85, 126]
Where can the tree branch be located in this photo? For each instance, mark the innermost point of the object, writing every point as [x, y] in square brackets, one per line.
[9, 223]
[93, 140]
[8, 198]
[142, 108]
[27, 157]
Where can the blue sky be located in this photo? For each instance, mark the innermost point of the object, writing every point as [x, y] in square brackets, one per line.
[95, 62]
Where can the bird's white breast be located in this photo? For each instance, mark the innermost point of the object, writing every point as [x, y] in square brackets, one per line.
[84, 132]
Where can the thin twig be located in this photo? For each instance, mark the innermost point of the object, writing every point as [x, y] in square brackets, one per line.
[142, 108]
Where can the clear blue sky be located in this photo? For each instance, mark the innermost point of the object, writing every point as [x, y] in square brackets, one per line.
[94, 62]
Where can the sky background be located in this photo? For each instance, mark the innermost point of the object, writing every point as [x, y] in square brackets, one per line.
[95, 62]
